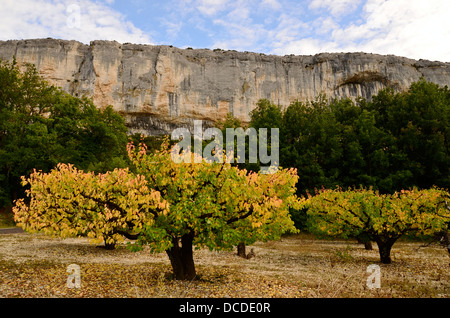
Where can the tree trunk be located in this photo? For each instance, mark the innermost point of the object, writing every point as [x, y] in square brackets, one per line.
[385, 251]
[368, 245]
[241, 250]
[443, 238]
[182, 258]
[363, 239]
[110, 246]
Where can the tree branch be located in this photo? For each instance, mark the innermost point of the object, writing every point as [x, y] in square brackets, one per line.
[129, 236]
[244, 216]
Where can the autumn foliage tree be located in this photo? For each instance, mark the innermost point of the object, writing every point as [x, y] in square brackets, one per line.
[68, 202]
[170, 206]
[212, 204]
[383, 218]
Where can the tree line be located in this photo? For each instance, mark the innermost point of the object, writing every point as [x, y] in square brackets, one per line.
[392, 142]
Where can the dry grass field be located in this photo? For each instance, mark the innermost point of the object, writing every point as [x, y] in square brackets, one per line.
[296, 266]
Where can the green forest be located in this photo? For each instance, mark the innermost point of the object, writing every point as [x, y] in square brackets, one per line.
[393, 141]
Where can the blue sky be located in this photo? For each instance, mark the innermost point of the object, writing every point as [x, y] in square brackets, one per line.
[250, 24]
[411, 28]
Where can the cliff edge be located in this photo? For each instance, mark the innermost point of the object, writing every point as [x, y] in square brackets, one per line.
[159, 88]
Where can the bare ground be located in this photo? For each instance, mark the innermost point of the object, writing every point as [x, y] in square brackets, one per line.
[296, 266]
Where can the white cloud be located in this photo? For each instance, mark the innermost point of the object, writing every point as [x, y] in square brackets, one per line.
[336, 7]
[306, 46]
[84, 21]
[272, 4]
[236, 28]
[240, 37]
[211, 7]
[412, 28]
[326, 25]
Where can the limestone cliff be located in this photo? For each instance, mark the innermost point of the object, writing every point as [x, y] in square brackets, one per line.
[159, 88]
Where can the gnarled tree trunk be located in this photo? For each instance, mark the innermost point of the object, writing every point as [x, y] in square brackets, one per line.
[384, 248]
[366, 241]
[444, 239]
[241, 250]
[368, 246]
[182, 258]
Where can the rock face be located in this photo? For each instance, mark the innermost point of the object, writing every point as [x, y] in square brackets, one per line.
[159, 88]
